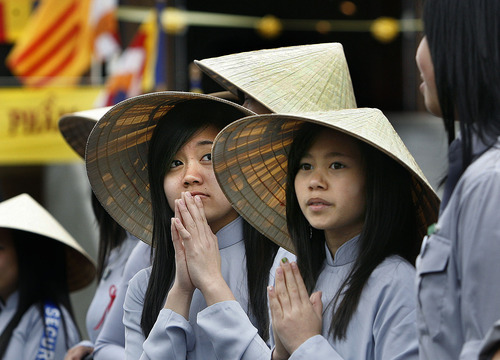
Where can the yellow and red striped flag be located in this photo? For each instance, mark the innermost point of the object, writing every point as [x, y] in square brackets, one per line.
[56, 45]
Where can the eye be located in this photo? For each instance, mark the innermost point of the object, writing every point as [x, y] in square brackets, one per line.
[336, 165]
[207, 157]
[175, 163]
[305, 166]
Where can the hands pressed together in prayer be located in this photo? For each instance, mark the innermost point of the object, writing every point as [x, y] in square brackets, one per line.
[197, 257]
[296, 316]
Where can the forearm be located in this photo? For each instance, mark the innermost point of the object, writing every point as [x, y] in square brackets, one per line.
[179, 301]
[216, 291]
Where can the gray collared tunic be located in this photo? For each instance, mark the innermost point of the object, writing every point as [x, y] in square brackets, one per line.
[172, 336]
[382, 328]
[25, 340]
[458, 266]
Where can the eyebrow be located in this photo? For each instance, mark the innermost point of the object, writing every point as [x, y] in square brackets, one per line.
[204, 142]
[331, 154]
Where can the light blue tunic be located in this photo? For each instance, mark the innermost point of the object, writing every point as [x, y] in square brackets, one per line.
[25, 340]
[382, 328]
[105, 294]
[110, 344]
[172, 336]
[458, 266]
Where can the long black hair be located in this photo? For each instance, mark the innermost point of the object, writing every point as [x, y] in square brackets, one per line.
[464, 42]
[42, 277]
[389, 225]
[111, 234]
[167, 139]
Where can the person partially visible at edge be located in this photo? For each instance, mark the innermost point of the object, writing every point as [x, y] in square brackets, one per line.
[354, 229]
[161, 305]
[40, 263]
[459, 62]
[114, 244]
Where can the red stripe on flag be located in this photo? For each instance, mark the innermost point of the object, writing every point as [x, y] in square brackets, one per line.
[57, 68]
[46, 34]
[51, 52]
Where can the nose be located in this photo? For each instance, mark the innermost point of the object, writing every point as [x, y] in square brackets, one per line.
[317, 180]
[193, 174]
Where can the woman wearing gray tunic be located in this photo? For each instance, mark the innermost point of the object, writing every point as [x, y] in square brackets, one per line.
[358, 297]
[174, 132]
[39, 264]
[458, 267]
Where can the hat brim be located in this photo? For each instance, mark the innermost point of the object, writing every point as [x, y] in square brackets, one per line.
[250, 162]
[24, 213]
[117, 153]
[76, 127]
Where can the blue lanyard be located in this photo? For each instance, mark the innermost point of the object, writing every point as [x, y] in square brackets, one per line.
[47, 348]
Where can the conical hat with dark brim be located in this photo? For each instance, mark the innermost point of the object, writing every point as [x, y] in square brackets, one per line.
[250, 162]
[22, 212]
[117, 154]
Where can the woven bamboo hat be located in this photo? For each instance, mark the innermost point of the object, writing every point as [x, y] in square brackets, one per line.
[289, 79]
[22, 212]
[117, 154]
[76, 127]
[250, 162]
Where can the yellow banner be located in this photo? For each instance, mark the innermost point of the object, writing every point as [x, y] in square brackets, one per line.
[29, 134]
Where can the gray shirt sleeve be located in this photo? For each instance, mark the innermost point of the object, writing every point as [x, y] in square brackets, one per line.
[231, 332]
[478, 255]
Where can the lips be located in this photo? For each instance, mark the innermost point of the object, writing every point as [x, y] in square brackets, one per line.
[318, 202]
[194, 193]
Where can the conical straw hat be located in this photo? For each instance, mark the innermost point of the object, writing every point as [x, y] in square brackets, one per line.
[22, 212]
[250, 162]
[117, 154]
[76, 127]
[289, 79]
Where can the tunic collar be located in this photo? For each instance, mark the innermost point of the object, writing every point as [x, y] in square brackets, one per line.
[11, 302]
[230, 234]
[345, 254]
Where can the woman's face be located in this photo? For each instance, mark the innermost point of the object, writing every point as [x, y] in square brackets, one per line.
[330, 186]
[428, 86]
[8, 264]
[191, 170]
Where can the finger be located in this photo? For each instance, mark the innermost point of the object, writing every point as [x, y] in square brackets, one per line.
[192, 207]
[301, 286]
[201, 209]
[184, 234]
[176, 238]
[291, 285]
[281, 289]
[274, 304]
[185, 216]
[317, 303]
[198, 215]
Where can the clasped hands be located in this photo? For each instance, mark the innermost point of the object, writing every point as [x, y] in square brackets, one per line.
[296, 316]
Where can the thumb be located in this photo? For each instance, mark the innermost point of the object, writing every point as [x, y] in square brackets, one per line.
[316, 303]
